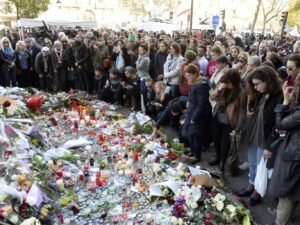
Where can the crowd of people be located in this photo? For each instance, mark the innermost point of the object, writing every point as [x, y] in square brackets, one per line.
[210, 88]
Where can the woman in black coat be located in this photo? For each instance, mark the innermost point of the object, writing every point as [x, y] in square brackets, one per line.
[160, 59]
[198, 114]
[7, 63]
[285, 182]
[264, 91]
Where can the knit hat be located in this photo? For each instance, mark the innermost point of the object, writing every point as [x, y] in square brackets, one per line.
[190, 55]
[131, 37]
[130, 69]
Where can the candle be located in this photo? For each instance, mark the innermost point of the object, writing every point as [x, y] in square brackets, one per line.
[134, 180]
[60, 185]
[135, 156]
[60, 218]
[105, 148]
[81, 177]
[98, 182]
[59, 173]
[149, 218]
[92, 161]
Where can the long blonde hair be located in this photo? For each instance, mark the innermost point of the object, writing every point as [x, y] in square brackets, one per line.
[161, 95]
[4, 39]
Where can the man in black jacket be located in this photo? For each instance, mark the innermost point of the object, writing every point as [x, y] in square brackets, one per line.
[83, 65]
[33, 49]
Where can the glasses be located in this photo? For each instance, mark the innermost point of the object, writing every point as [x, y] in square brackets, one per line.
[5, 42]
[290, 69]
[241, 61]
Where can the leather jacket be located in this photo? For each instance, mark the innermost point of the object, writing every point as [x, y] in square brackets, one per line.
[289, 119]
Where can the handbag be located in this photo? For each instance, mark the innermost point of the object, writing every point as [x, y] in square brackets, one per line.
[261, 178]
[231, 164]
[120, 63]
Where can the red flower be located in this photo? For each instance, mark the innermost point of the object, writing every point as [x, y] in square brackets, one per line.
[6, 104]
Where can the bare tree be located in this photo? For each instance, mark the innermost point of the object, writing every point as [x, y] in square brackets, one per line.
[271, 10]
[256, 15]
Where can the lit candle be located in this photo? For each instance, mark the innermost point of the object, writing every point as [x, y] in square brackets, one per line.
[60, 185]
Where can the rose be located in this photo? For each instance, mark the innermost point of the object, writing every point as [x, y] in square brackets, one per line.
[6, 104]
[194, 205]
[220, 206]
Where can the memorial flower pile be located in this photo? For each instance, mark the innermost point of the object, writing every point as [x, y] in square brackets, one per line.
[71, 159]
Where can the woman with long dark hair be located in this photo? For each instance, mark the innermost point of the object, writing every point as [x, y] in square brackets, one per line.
[264, 93]
[228, 115]
[160, 59]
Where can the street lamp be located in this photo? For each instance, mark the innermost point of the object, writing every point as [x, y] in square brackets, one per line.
[222, 15]
[191, 17]
[284, 16]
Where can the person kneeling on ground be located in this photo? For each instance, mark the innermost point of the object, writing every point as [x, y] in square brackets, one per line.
[132, 86]
[171, 115]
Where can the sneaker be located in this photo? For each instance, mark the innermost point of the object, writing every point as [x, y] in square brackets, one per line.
[193, 160]
[244, 192]
[253, 202]
[244, 166]
[214, 162]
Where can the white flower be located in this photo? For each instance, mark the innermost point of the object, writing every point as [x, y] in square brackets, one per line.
[232, 210]
[196, 193]
[219, 197]
[180, 221]
[14, 219]
[174, 220]
[194, 205]
[220, 206]
[180, 166]
[181, 173]
[31, 221]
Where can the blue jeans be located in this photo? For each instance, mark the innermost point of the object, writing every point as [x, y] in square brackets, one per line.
[254, 156]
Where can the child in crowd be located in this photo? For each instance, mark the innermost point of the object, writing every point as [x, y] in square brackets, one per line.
[112, 91]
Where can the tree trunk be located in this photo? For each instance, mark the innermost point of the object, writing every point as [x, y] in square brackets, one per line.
[264, 26]
[255, 15]
[18, 12]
